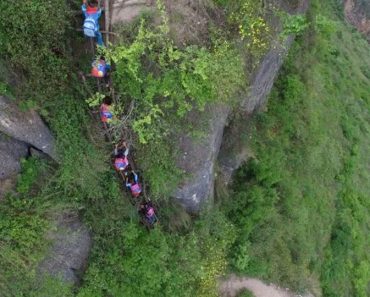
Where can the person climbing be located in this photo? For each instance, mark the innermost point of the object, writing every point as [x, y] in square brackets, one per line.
[147, 213]
[100, 67]
[92, 14]
[120, 153]
[106, 114]
[132, 183]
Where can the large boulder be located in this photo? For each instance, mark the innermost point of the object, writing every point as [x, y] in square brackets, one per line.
[70, 247]
[26, 126]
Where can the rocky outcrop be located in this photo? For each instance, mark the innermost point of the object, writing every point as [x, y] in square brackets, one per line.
[198, 157]
[26, 126]
[198, 160]
[357, 13]
[69, 251]
[233, 151]
[199, 186]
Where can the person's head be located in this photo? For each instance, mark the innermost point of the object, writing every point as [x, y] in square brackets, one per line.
[107, 100]
[93, 3]
[120, 155]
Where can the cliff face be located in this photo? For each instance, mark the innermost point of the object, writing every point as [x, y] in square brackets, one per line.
[233, 152]
[357, 13]
[199, 186]
[198, 157]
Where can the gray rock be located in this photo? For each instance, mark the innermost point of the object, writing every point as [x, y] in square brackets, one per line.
[198, 160]
[264, 77]
[11, 151]
[70, 248]
[26, 127]
[233, 151]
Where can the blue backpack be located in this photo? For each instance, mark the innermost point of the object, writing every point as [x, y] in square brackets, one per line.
[90, 27]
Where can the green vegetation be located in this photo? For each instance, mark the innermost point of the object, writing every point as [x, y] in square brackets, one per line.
[300, 206]
[164, 83]
[246, 293]
[21, 226]
[298, 211]
[248, 19]
[125, 257]
[129, 261]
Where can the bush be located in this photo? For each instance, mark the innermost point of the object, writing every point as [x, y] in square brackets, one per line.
[32, 38]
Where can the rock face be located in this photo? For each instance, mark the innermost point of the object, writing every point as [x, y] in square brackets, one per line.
[71, 244]
[26, 127]
[233, 152]
[198, 157]
[357, 13]
[198, 160]
[199, 187]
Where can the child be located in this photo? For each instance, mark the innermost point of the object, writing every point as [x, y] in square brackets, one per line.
[147, 212]
[132, 183]
[121, 161]
[92, 13]
[100, 67]
[105, 111]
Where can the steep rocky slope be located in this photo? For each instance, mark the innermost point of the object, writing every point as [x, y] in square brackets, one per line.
[199, 185]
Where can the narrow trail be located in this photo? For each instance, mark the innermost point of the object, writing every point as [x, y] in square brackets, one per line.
[105, 87]
[233, 285]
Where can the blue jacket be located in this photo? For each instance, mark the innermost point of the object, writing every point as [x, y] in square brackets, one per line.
[95, 15]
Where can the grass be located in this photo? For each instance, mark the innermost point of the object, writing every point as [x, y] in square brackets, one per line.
[300, 204]
[245, 293]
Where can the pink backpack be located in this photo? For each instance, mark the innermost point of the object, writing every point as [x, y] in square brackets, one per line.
[150, 212]
[135, 190]
[121, 163]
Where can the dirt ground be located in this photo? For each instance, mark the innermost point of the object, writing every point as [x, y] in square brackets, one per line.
[233, 285]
